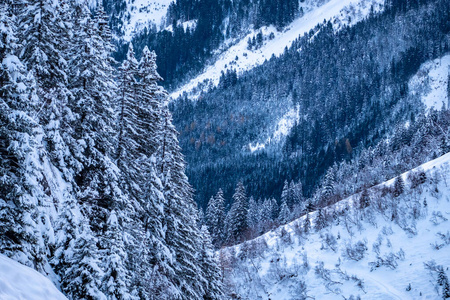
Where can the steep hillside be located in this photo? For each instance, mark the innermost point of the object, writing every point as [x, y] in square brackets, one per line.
[389, 242]
[239, 55]
[325, 99]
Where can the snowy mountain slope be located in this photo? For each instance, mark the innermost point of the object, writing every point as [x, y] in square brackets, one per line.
[396, 248]
[18, 282]
[143, 13]
[282, 128]
[431, 83]
[239, 58]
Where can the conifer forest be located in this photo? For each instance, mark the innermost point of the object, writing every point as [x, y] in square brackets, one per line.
[224, 149]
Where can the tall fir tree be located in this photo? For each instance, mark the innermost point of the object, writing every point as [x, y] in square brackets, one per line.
[210, 267]
[237, 216]
[215, 218]
[115, 281]
[82, 279]
[285, 214]
[45, 28]
[253, 215]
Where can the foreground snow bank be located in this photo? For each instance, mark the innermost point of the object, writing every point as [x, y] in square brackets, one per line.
[19, 282]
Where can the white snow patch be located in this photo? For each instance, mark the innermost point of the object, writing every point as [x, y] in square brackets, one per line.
[18, 282]
[239, 58]
[282, 129]
[256, 147]
[188, 24]
[431, 83]
[143, 13]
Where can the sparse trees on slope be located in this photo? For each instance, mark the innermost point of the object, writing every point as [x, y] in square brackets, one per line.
[399, 186]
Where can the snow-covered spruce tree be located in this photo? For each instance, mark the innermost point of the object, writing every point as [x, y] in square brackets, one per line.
[81, 280]
[210, 267]
[268, 213]
[236, 220]
[295, 194]
[20, 194]
[115, 280]
[254, 216]
[286, 193]
[153, 263]
[92, 139]
[182, 234]
[156, 265]
[127, 150]
[45, 31]
[285, 214]
[215, 218]
[327, 192]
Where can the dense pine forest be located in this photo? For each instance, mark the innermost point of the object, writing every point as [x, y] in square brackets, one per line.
[93, 189]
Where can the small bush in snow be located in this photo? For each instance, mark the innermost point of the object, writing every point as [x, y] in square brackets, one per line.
[355, 252]
[437, 218]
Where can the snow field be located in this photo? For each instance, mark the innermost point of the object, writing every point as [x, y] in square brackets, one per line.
[142, 13]
[277, 270]
[431, 83]
[18, 282]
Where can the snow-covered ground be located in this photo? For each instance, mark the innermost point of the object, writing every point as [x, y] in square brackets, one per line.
[239, 58]
[142, 13]
[18, 282]
[394, 253]
[431, 83]
[282, 129]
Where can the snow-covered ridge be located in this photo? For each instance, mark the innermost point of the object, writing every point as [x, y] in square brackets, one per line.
[241, 59]
[360, 253]
[18, 282]
[431, 83]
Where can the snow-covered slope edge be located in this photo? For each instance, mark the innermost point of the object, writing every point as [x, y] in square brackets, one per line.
[20, 282]
[239, 58]
[396, 248]
[431, 83]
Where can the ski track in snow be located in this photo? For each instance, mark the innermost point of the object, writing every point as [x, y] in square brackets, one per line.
[385, 289]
